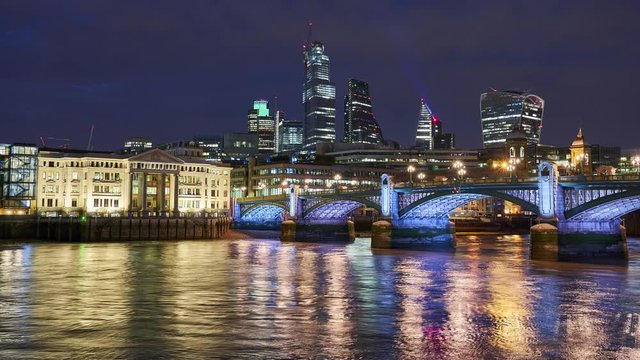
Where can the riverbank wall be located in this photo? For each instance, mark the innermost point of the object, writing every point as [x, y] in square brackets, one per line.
[75, 229]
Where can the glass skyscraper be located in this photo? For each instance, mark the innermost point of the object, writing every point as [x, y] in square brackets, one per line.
[290, 135]
[319, 97]
[501, 111]
[424, 136]
[360, 126]
[261, 123]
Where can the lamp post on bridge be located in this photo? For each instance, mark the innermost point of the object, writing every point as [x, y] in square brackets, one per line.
[421, 177]
[513, 164]
[411, 169]
[336, 179]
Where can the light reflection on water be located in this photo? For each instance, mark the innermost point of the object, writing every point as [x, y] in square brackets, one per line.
[260, 298]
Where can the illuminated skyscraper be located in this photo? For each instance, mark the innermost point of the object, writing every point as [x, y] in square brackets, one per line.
[291, 135]
[360, 126]
[424, 136]
[502, 110]
[318, 97]
[261, 123]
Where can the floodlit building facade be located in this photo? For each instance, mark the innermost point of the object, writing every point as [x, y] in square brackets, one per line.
[502, 110]
[154, 183]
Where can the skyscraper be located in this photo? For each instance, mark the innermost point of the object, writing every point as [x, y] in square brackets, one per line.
[261, 123]
[360, 126]
[424, 136]
[318, 97]
[291, 135]
[502, 110]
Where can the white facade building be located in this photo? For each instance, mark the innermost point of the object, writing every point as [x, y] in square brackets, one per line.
[153, 183]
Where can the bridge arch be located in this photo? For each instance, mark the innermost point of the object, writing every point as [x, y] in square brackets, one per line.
[336, 210]
[263, 212]
[441, 203]
[610, 207]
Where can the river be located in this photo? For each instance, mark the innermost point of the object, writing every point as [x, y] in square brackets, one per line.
[247, 298]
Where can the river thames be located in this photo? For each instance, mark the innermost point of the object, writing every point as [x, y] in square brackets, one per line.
[262, 299]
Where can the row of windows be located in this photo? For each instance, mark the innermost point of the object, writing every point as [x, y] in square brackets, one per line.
[104, 203]
[139, 165]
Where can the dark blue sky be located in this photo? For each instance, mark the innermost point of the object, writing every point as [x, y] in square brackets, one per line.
[174, 69]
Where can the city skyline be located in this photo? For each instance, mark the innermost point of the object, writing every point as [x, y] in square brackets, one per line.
[143, 85]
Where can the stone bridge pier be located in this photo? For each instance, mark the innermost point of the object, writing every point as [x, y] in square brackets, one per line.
[578, 222]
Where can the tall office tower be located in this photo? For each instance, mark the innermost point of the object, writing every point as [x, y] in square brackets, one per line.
[261, 123]
[279, 119]
[291, 135]
[424, 136]
[502, 110]
[318, 97]
[360, 126]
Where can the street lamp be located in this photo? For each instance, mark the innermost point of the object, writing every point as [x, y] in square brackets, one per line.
[243, 189]
[421, 177]
[459, 168]
[461, 173]
[411, 169]
[513, 163]
[262, 186]
[336, 179]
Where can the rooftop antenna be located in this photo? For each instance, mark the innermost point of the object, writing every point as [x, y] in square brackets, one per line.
[310, 24]
[89, 146]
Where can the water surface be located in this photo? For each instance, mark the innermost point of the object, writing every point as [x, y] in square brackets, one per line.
[263, 299]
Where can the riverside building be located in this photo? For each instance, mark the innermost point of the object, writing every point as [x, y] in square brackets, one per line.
[153, 183]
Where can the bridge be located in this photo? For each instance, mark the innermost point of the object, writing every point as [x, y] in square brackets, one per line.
[583, 213]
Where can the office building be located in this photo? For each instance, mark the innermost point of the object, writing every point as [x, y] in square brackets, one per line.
[212, 147]
[360, 125]
[444, 141]
[137, 145]
[290, 135]
[318, 97]
[502, 110]
[18, 176]
[261, 123]
[424, 135]
[239, 147]
[266, 179]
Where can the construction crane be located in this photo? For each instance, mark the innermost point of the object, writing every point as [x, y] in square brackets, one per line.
[90, 145]
[64, 145]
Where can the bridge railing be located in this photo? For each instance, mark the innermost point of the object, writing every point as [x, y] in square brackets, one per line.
[467, 181]
[584, 178]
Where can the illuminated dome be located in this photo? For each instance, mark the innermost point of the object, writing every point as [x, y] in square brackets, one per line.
[579, 141]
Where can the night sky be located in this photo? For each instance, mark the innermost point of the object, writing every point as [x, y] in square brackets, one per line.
[170, 70]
